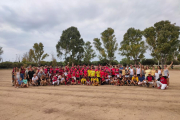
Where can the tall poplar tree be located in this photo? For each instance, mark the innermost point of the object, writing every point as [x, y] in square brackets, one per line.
[132, 46]
[109, 45]
[162, 39]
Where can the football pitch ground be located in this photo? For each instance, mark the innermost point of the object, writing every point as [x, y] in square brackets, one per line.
[80, 102]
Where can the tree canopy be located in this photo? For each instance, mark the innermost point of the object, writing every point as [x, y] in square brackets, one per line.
[162, 39]
[107, 51]
[88, 52]
[132, 46]
[70, 45]
[37, 53]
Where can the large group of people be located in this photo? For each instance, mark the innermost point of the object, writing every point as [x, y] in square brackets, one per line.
[118, 75]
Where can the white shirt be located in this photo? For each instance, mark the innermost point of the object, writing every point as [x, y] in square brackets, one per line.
[138, 70]
[131, 72]
[156, 76]
[35, 78]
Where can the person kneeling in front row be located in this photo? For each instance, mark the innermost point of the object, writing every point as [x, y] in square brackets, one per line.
[162, 82]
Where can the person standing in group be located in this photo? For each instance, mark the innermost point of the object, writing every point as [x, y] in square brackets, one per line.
[120, 69]
[166, 72]
[138, 71]
[159, 70]
[131, 71]
[147, 71]
[30, 75]
[13, 76]
[153, 71]
[22, 72]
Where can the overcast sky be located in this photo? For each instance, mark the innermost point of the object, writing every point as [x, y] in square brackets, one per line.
[25, 22]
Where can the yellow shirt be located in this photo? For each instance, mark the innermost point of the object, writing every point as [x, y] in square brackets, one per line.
[135, 79]
[147, 72]
[98, 73]
[89, 72]
[83, 79]
[123, 72]
[95, 79]
[153, 72]
[92, 73]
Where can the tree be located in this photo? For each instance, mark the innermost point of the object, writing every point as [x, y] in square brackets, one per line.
[88, 52]
[132, 46]
[163, 41]
[1, 52]
[28, 56]
[110, 45]
[37, 53]
[70, 45]
[54, 61]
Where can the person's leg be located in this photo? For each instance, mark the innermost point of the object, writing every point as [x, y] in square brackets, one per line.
[158, 84]
[163, 86]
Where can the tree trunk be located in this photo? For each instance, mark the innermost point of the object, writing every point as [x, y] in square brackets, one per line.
[162, 62]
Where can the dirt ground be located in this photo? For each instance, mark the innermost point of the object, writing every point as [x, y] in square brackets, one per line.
[89, 102]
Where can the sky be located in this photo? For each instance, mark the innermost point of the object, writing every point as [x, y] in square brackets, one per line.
[25, 22]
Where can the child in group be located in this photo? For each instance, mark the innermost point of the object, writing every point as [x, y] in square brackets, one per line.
[47, 79]
[118, 82]
[43, 80]
[55, 80]
[78, 82]
[111, 81]
[73, 82]
[83, 80]
[62, 79]
[103, 80]
[19, 83]
[25, 82]
[115, 80]
[88, 82]
[95, 81]
[134, 80]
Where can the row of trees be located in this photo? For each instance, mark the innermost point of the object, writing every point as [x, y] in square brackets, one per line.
[161, 39]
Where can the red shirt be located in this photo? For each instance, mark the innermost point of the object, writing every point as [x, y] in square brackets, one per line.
[163, 80]
[77, 74]
[85, 74]
[113, 71]
[150, 78]
[51, 70]
[81, 72]
[69, 75]
[54, 79]
[102, 73]
[74, 73]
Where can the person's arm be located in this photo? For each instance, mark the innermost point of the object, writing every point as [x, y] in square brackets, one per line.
[170, 65]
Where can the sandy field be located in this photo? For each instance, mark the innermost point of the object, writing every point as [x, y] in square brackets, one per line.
[89, 102]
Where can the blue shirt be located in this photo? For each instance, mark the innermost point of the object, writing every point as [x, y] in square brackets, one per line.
[20, 82]
[141, 78]
[120, 69]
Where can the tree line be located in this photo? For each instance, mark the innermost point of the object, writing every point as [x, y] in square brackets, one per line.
[162, 40]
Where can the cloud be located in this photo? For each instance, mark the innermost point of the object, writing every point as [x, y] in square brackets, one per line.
[22, 23]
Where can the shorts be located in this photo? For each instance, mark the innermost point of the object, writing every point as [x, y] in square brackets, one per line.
[165, 77]
[138, 75]
[126, 76]
[113, 75]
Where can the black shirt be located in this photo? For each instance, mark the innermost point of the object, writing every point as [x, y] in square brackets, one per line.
[30, 73]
